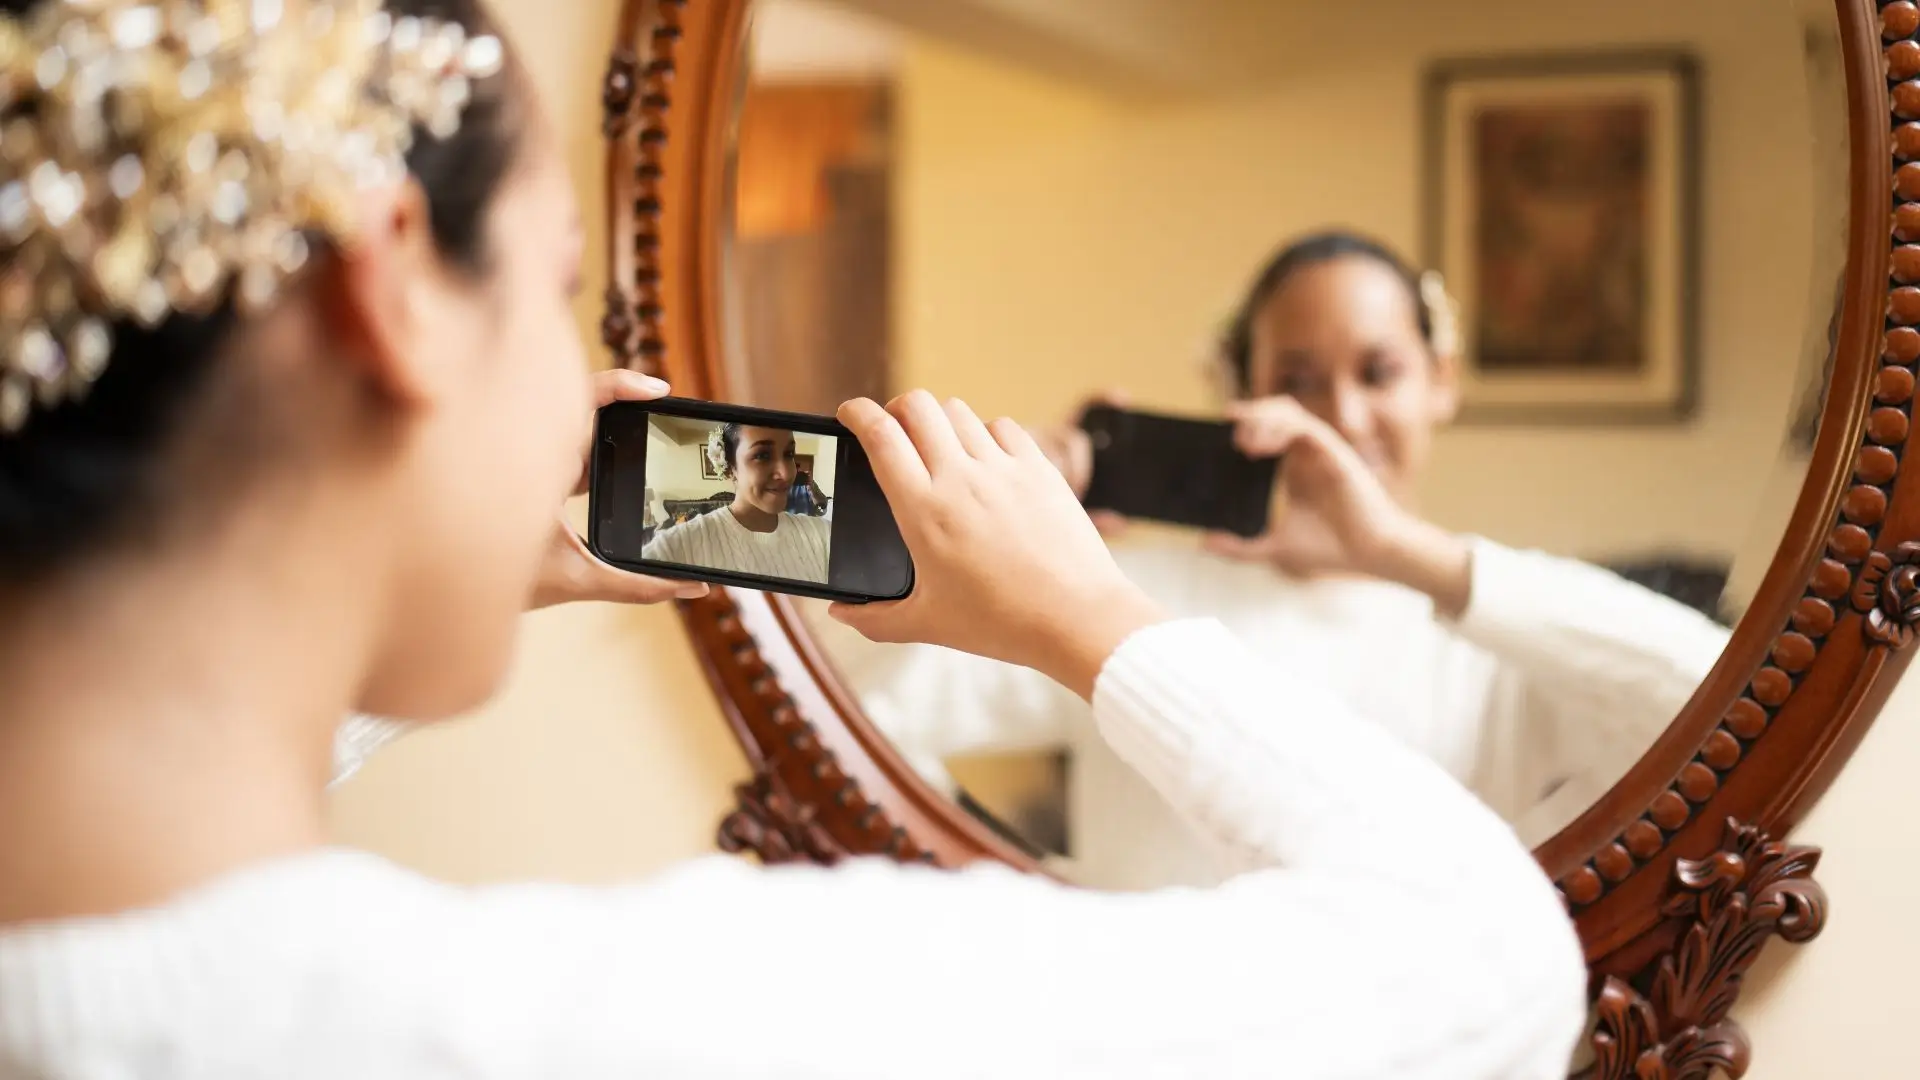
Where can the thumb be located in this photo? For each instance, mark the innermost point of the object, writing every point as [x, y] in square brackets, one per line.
[875, 622]
[625, 587]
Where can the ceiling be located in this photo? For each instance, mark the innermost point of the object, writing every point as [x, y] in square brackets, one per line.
[1149, 49]
[1130, 47]
[809, 39]
[682, 430]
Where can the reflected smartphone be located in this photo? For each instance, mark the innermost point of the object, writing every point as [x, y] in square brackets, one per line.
[1176, 470]
[777, 501]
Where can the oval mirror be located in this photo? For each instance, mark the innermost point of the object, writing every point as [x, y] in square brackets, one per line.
[1600, 317]
[1501, 280]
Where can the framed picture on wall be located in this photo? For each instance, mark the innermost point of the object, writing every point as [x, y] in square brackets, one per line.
[1562, 213]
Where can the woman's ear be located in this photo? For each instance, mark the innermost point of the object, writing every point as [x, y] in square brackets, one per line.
[389, 281]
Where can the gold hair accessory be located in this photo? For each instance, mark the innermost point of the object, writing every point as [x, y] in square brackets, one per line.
[157, 155]
[1443, 314]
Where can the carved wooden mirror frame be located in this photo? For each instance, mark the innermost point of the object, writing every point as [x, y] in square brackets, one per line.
[1678, 876]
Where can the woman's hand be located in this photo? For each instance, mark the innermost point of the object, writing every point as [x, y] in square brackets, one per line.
[1006, 563]
[1070, 450]
[1337, 518]
[570, 572]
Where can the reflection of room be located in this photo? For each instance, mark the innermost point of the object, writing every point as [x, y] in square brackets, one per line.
[1076, 200]
[683, 481]
[1055, 235]
[811, 228]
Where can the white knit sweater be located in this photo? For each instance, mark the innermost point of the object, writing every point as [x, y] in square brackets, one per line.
[1386, 925]
[796, 550]
[1555, 681]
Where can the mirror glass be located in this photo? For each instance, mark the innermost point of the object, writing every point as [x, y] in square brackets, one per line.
[1563, 285]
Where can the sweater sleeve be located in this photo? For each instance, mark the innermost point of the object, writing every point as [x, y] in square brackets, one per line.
[1394, 927]
[933, 703]
[1594, 667]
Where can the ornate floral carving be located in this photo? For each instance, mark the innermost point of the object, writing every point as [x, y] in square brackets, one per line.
[1888, 595]
[1751, 890]
[801, 805]
[775, 827]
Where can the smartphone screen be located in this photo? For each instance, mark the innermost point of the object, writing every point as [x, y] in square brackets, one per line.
[784, 502]
[1176, 470]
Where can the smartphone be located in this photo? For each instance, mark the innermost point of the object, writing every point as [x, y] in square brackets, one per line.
[1176, 470]
[777, 501]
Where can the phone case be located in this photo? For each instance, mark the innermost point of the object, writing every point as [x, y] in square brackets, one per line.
[599, 462]
[1176, 470]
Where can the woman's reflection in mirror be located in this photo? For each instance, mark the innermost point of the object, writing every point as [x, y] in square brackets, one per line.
[1534, 679]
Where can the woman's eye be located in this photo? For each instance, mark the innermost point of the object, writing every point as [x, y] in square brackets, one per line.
[1382, 373]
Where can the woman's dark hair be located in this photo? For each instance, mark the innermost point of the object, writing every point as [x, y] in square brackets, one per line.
[87, 475]
[1236, 346]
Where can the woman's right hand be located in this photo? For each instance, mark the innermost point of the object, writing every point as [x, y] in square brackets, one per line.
[1070, 450]
[1006, 563]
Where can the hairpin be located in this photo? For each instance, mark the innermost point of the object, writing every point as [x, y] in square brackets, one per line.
[1443, 314]
[158, 156]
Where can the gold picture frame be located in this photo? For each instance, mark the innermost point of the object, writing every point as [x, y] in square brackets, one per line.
[1562, 212]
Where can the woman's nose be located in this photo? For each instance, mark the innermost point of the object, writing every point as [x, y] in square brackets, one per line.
[1352, 413]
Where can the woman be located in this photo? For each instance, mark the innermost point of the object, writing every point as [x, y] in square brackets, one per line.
[756, 534]
[1534, 680]
[255, 523]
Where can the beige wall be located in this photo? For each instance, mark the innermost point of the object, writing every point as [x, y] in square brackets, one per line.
[605, 756]
[673, 469]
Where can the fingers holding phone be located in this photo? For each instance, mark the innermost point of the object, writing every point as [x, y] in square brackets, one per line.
[1070, 448]
[1071, 452]
[1338, 516]
[1007, 564]
[570, 571]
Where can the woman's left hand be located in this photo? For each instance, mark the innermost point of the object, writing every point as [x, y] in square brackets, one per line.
[1338, 518]
[570, 572]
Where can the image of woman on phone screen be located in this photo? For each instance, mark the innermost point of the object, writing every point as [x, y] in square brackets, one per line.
[756, 534]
